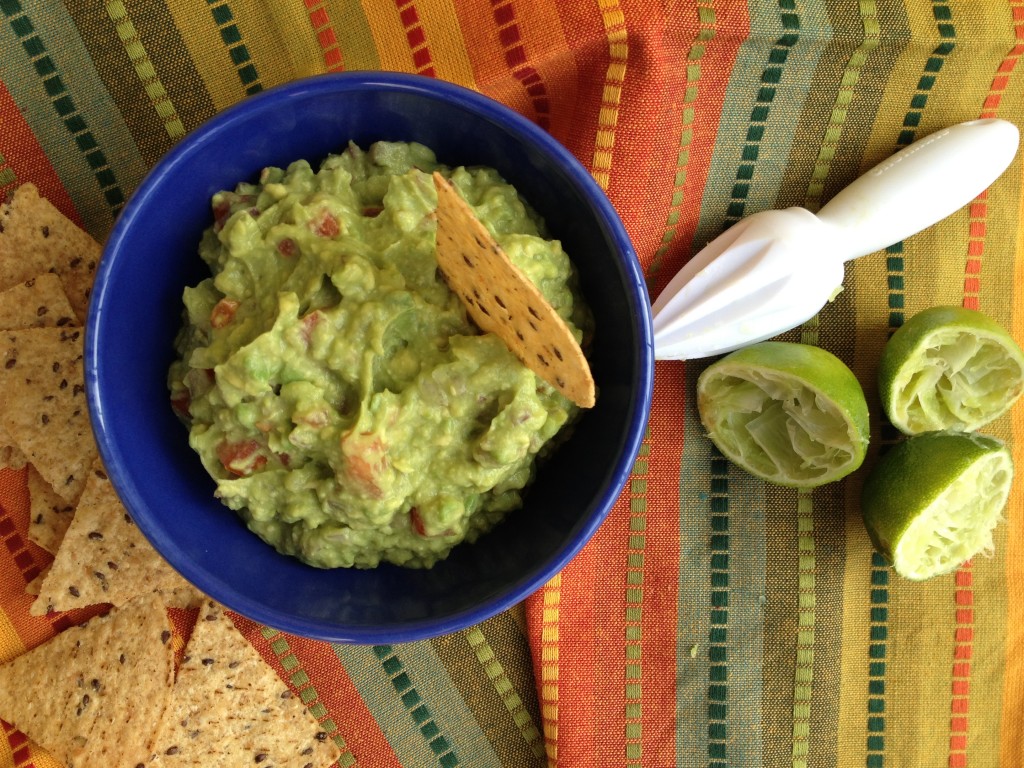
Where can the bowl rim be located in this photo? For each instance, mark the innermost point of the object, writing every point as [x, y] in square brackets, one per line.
[512, 122]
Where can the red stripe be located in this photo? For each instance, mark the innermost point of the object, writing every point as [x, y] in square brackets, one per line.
[20, 747]
[26, 158]
[510, 37]
[964, 595]
[417, 37]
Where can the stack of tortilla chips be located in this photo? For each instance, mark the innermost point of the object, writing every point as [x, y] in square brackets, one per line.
[87, 694]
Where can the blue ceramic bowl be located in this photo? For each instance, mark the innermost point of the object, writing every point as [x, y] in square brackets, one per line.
[151, 255]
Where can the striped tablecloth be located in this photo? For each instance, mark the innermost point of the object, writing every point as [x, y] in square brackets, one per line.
[714, 620]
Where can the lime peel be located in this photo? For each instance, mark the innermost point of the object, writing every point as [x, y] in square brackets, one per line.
[949, 368]
[791, 414]
[932, 502]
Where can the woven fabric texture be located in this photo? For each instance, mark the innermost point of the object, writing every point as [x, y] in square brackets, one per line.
[714, 620]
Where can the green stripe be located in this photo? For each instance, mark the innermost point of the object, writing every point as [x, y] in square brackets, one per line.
[843, 101]
[877, 651]
[706, 19]
[803, 675]
[7, 174]
[57, 39]
[416, 707]
[911, 121]
[744, 120]
[634, 608]
[63, 103]
[771, 78]
[411, 694]
[237, 51]
[521, 714]
[803, 679]
[718, 652]
[489, 664]
[704, 654]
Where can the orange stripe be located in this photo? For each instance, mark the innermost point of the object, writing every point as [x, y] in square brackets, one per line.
[562, 624]
[964, 593]
[631, 632]
[25, 157]
[323, 29]
[962, 651]
[501, 41]
[661, 596]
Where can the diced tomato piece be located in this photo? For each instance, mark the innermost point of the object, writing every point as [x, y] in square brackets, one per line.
[221, 211]
[309, 323]
[181, 403]
[325, 224]
[287, 247]
[241, 458]
[285, 459]
[372, 210]
[223, 312]
[416, 520]
[314, 419]
[365, 460]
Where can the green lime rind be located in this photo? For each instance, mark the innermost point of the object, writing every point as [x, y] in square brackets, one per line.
[949, 368]
[932, 501]
[792, 414]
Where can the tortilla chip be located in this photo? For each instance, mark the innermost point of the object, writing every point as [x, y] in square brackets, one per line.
[39, 302]
[44, 409]
[502, 300]
[229, 708]
[11, 456]
[35, 237]
[49, 514]
[104, 558]
[92, 695]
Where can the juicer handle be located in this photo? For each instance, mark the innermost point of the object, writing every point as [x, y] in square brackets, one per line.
[919, 185]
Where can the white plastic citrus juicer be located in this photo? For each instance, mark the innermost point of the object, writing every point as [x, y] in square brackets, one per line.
[774, 270]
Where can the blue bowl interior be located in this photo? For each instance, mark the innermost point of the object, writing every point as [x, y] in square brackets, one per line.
[136, 311]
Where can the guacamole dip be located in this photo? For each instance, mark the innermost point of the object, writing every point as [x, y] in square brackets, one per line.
[333, 385]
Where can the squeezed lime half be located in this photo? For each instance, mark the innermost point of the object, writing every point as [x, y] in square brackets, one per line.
[792, 414]
[949, 368]
[933, 500]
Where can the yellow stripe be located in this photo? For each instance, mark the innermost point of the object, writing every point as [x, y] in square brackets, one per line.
[449, 49]
[206, 48]
[10, 642]
[506, 691]
[439, 23]
[549, 666]
[270, 40]
[144, 68]
[608, 118]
